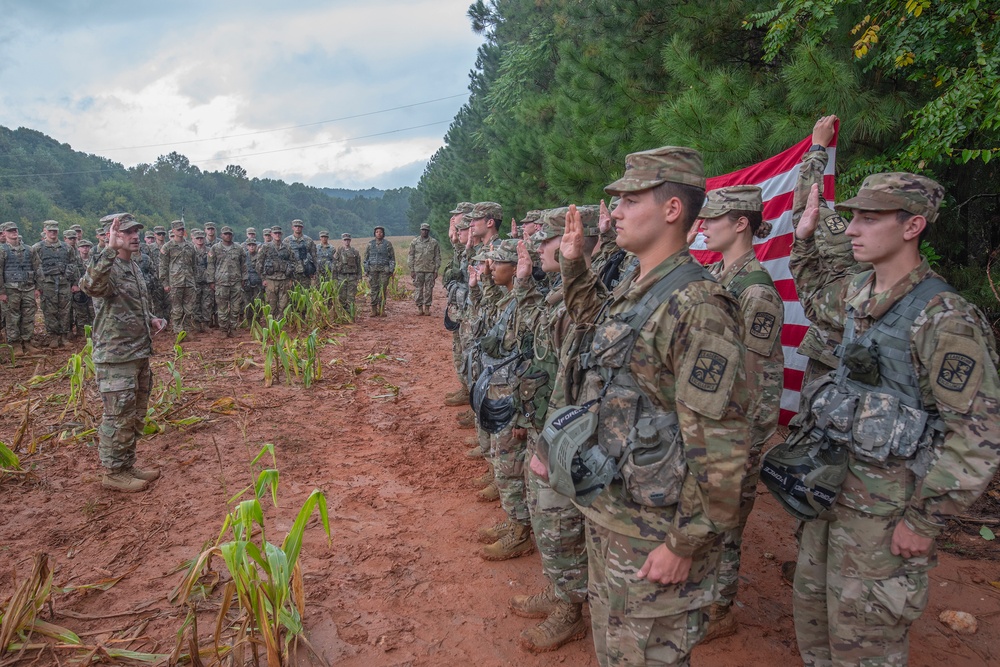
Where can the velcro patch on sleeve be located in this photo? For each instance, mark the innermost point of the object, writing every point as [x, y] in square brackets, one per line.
[707, 373]
[835, 223]
[956, 371]
[763, 327]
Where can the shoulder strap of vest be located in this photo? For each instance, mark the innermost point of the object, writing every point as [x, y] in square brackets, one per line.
[740, 283]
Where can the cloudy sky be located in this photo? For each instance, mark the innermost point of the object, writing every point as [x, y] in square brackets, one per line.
[301, 90]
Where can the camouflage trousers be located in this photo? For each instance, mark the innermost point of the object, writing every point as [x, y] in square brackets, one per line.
[205, 296]
[183, 307]
[276, 295]
[636, 622]
[456, 357]
[853, 600]
[229, 303]
[732, 539]
[83, 314]
[423, 287]
[560, 533]
[507, 455]
[161, 302]
[55, 307]
[348, 291]
[124, 391]
[19, 314]
[378, 283]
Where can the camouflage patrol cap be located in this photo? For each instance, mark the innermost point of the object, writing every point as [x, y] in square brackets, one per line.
[209, 225]
[667, 164]
[251, 230]
[101, 231]
[530, 216]
[69, 234]
[553, 222]
[487, 209]
[425, 226]
[150, 234]
[177, 224]
[226, 229]
[76, 228]
[7, 226]
[324, 233]
[735, 198]
[197, 234]
[127, 222]
[897, 190]
[159, 229]
[506, 251]
[51, 225]
[463, 207]
[251, 242]
[276, 230]
[345, 236]
[297, 223]
[85, 244]
[464, 223]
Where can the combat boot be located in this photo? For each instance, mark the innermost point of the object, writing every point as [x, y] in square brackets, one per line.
[475, 453]
[483, 480]
[54, 343]
[144, 475]
[565, 624]
[515, 542]
[490, 534]
[721, 623]
[489, 494]
[539, 605]
[466, 417]
[61, 342]
[460, 397]
[121, 480]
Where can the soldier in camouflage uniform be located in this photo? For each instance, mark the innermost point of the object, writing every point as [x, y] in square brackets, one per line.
[208, 306]
[161, 302]
[731, 218]
[347, 269]
[380, 264]
[83, 305]
[20, 274]
[915, 400]
[324, 257]
[276, 266]
[123, 330]
[456, 281]
[558, 525]
[58, 281]
[251, 236]
[177, 269]
[304, 250]
[653, 539]
[255, 287]
[227, 272]
[424, 261]
[203, 291]
[211, 235]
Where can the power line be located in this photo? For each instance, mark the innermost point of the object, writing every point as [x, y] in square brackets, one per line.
[282, 129]
[237, 157]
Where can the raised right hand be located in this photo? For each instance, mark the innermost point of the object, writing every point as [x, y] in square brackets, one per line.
[810, 216]
[571, 245]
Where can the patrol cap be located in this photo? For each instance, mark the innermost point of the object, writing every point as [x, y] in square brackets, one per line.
[735, 198]
[463, 207]
[912, 193]
[226, 229]
[101, 231]
[324, 234]
[553, 222]
[127, 222]
[159, 229]
[177, 224]
[76, 228]
[85, 244]
[464, 223]
[487, 209]
[377, 227]
[197, 234]
[276, 230]
[345, 236]
[251, 230]
[209, 225]
[51, 225]
[251, 242]
[69, 234]
[297, 223]
[530, 216]
[7, 226]
[150, 234]
[667, 164]
[425, 226]
[506, 251]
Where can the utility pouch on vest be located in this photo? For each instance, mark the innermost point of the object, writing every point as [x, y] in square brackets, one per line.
[833, 408]
[654, 468]
[883, 425]
[862, 363]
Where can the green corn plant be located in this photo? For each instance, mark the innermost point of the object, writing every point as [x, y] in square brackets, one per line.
[8, 459]
[312, 368]
[79, 368]
[266, 579]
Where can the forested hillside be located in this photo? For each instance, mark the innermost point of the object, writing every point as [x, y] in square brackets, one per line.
[41, 179]
[562, 90]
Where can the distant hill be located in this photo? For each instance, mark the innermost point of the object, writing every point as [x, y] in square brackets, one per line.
[42, 179]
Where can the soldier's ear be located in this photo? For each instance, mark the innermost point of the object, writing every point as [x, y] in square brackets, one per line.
[913, 227]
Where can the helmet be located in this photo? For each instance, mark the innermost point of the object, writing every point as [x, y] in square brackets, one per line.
[80, 297]
[578, 468]
[493, 414]
[805, 474]
[450, 324]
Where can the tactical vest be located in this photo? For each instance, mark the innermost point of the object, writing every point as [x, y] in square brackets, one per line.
[352, 265]
[201, 265]
[300, 249]
[378, 258]
[491, 350]
[53, 258]
[324, 256]
[872, 402]
[642, 437]
[18, 268]
[253, 278]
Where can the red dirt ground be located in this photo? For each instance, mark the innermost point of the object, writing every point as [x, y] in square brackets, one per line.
[402, 583]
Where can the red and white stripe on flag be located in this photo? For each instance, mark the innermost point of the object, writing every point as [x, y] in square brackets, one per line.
[777, 176]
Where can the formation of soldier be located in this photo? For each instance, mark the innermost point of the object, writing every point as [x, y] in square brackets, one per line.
[622, 396]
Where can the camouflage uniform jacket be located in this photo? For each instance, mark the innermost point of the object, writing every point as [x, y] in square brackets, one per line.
[145, 264]
[954, 354]
[324, 259]
[347, 262]
[227, 265]
[275, 262]
[688, 359]
[303, 249]
[834, 250]
[380, 256]
[122, 318]
[425, 255]
[178, 264]
[763, 317]
[15, 261]
[201, 265]
[57, 263]
[253, 275]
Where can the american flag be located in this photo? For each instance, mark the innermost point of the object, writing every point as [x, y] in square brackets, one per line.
[776, 176]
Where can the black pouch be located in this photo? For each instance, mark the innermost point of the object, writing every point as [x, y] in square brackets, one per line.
[862, 363]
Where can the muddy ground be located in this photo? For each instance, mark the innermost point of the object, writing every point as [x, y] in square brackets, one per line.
[401, 583]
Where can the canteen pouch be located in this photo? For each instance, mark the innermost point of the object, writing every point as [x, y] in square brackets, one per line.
[654, 468]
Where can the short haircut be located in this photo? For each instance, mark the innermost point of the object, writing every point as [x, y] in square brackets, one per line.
[755, 218]
[692, 198]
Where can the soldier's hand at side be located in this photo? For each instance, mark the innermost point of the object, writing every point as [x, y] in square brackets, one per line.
[74, 288]
[524, 265]
[571, 245]
[810, 216]
[166, 289]
[604, 219]
[823, 131]
[38, 294]
[159, 324]
[263, 283]
[663, 566]
[907, 544]
[538, 467]
[3, 298]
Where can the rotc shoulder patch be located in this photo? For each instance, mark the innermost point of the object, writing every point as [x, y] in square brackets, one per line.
[708, 370]
[707, 373]
[763, 321]
[836, 224]
[956, 371]
[762, 325]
